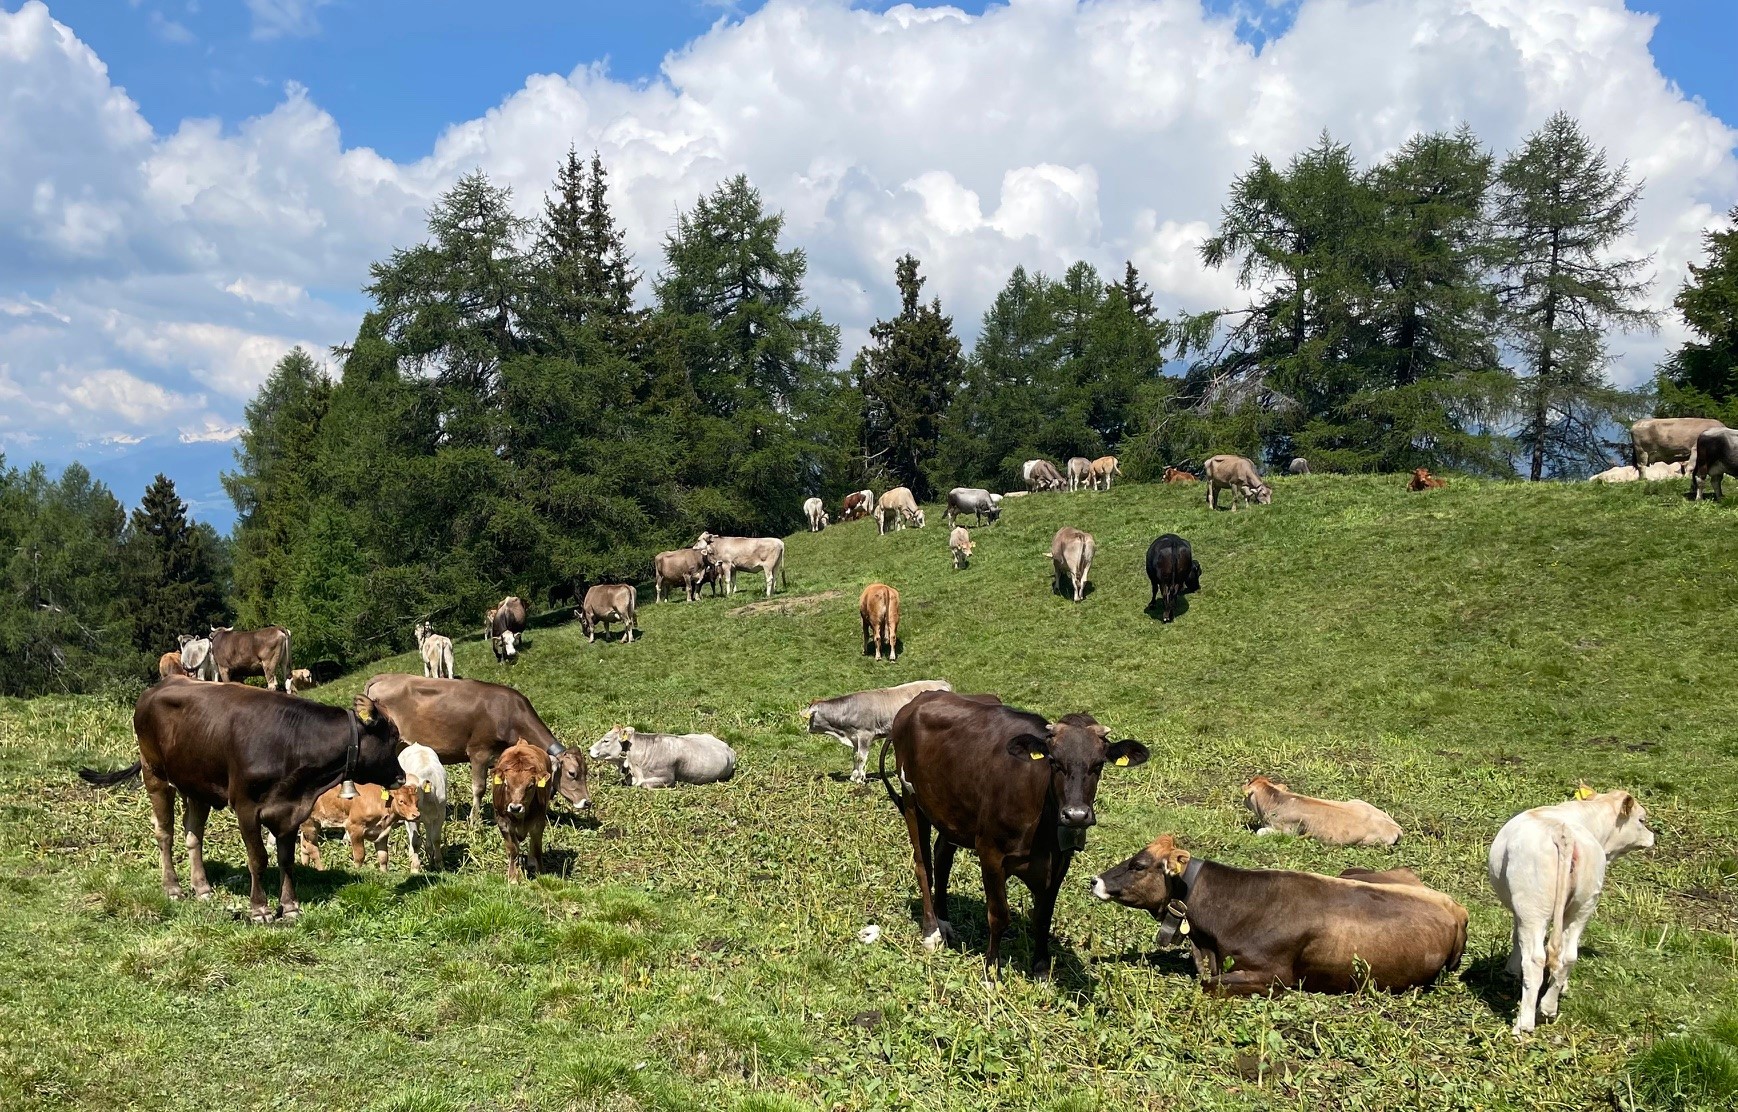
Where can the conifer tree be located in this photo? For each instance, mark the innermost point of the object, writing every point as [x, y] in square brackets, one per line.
[1700, 379]
[908, 374]
[170, 568]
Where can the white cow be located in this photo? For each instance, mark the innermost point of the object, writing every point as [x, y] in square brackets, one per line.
[897, 508]
[664, 760]
[436, 651]
[815, 511]
[735, 554]
[1548, 866]
[421, 764]
[197, 658]
[959, 542]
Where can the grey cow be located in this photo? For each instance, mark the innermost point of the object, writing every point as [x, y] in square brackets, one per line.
[856, 720]
[973, 500]
[664, 760]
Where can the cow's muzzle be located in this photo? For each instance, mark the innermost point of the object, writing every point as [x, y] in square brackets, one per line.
[1078, 816]
[515, 808]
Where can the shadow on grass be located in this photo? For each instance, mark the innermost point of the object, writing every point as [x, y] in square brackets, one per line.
[1156, 608]
[969, 918]
[1490, 982]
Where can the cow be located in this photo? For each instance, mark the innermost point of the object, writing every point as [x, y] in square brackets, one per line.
[857, 504]
[1172, 570]
[436, 651]
[1298, 466]
[521, 783]
[897, 506]
[196, 658]
[422, 766]
[1015, 789]
[268, 756]
[856, 720]
[1041, 474]
[303, 678]
[367, 817]
[1256, 930]
[606, 605]
[1102, 469]
[973, 500]
[1716, 456]
[238, 654]
[504, 626]
[1178, 475]
[169, 664]
[1653, 473]
[1666, 439]
[1238, 474]
[879, 608]
[681, 567]
[1351, 823]
[1079, 472]
[764, 554]
[815, 511]
[665, 760]
[1422, 479]
[469, 720]
[1070, 561]
[1547, 866]
[959, 543]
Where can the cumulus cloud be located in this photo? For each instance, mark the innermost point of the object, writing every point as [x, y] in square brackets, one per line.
[1036, 133]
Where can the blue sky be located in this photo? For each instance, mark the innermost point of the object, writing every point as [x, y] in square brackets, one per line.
[169, 227]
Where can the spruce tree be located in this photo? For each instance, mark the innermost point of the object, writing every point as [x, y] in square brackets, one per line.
[170, 568]
[1700, 379]
[908, 374]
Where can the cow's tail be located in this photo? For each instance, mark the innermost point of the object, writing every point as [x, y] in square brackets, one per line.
[1564, 846]
[289, 666]
[881, 764]
[110, 779]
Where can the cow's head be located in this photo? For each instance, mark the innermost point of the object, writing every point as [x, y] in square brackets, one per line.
[917, 516]
[1076, 750]
[1255, 792]
[1626, 817]
[422, 632]
[521, 780]
[1193, 582]
[584, 616]
[613, 747]
[1262, 493]
[378, 745]
[570, 779]
[1149, 880]
[704, 544]
[509, 644]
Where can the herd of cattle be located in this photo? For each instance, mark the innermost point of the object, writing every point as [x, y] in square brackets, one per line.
[1017, 790]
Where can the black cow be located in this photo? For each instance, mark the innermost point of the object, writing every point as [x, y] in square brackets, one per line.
[1173, 569]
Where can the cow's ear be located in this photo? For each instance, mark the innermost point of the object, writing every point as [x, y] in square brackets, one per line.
[1126, 753]
[1626, 808]
[364, 707]
[1177, 862]
[1029, 747]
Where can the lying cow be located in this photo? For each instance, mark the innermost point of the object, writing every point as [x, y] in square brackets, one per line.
[367, 818]
[856, 720]
[436, 652]
[683, 567]
[608, 604]
[1422, 479]
[1653, 473]
[1070, 561]
[1172, 570]
[1716, 456]
[815, 512]
[1178, 475]
[734, 554]
[302, 679]
[973, 500]
[665, 760]
[897, 508]
[1101, 471]
[959, 543]
[1240, 476]
[1548, 866]
[1079, 472]
[1298, 466]
[1667, 439]
[1351, 823]
[879, 608]
[1256, 930]
[521, 797]
[504, 626]
[422, 766]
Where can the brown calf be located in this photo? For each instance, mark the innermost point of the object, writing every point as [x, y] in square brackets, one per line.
[879, 607]
[1350, 823]
[1422, 479]
[369, 817]
[1178, 475]
[169, 664]
[521, 780]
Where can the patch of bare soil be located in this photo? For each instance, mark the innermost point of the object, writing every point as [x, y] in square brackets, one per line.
[800, 604]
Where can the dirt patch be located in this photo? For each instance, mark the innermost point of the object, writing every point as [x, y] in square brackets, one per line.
[801, 604]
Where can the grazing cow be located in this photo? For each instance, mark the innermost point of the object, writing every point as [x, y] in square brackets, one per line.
[1548, 866]
[1071, 561]
[606, 605]
[169, 664]
[1005, 783]
[1298, 466]
[764, 554]
[1173, 570]
[897, 508]
[665, 760]
[1422, 479]
[504, 626]
[879, 608]
[469, 720]
[1666, 439]
[422, 766]
[1079, 472]
[973, 500]
[959, 542]
[682, 567]
[521, 798]
[238, 654]
[1178, 475]
[857, 504]
[196, 658]
[1716, 456]
[1256, 930]
[303, 678]
[815, 511]
[1352, 823]
[856, 720]
[1041, 474]
[265, 755]
[436, 651]
[1102, 469]
[368, 817]
[1238, 474]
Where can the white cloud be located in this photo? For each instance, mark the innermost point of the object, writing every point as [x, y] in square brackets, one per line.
[114, 393]
[284, 18]
[1037, 133]
[210, 433]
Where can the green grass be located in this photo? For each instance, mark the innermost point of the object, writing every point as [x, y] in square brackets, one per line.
[1453, 657]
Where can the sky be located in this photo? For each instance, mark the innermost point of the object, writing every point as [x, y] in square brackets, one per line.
[190, 187]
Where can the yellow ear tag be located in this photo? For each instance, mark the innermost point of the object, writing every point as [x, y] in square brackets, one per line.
[385, 796]
[543, 783]
[1037, 756]
[1122, 762]
[365, 716]
[495, 779]
[1584, 792]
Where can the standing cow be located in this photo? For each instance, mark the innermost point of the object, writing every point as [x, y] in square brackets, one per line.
[436, 652]
[896, 508]
[815, 512]
[1173, 570]
[1238, 474]
[1666, 439]
[1101, 471]
[879, 608]
[521, 783]
[504, 626]
[856, 720]
[1071, 561]
[859, 503]
[975, 501]
[959, 543]
[734, 554]
[607, 604]
[1716, 456]
[1298, 466]
[236, 654]
[682, 567]
[1079, 472]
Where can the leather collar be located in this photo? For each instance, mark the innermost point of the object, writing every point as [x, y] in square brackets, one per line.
[1174, 922]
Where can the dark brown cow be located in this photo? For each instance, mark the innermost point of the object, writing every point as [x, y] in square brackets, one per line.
[1015, 789]
[1173, 570]
[505, 627]
[240, 653]
[169, 664]
[521, 782]
[1255, 930]
[1422, 479]
[267, 756]
[469, 720]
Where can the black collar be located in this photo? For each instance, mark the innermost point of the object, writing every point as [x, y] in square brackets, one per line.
[353, 751]
[1174, 922]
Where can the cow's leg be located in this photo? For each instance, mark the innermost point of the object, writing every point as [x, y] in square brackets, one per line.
[163, 825]
[1171, 592]
[1513, 966]
[512, 845]
[434, 849]
[479, 777]
[995, 903]
[1568, 949]
[247, 817]
[311, 846]
[860, 746]
[944, 851]
[917, 827]
[287, 905]
[1532, 944]
[1247, 981]
[1043, 911]
[193, 820]
[536, 841]
[380, 847]
[893, 641]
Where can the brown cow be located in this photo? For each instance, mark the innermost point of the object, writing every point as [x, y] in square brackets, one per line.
[369, 817]
[504, 626]
[1101, 471]
[1015, 789]
[1041, 474]
[606, 605]
[169, 664]
[1255, 930]
[860, 503]
[469, 720]
[1240, 476]
[1422, 479]
[680, 567]
[521, 797]
[1178, 475]
[240, 653]
[879, 608]
[266, 755]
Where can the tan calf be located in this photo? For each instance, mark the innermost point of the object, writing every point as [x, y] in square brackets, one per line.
[521, 780]
[369, 817]
[959, 542]
[1102, 469]
[1351, 823]
[879, 607]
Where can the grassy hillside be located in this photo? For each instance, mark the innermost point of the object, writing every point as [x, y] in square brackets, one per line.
[1453, 657]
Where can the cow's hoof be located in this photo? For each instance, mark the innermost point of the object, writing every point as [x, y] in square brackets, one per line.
[202, 893]
[260, 916]
[932, 940]
[174, 893]
[291, 913]
[859, 778]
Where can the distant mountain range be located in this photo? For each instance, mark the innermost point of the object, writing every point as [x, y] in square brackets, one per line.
[128, 468]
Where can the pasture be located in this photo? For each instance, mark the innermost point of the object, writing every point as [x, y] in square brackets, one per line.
[1453, 657]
